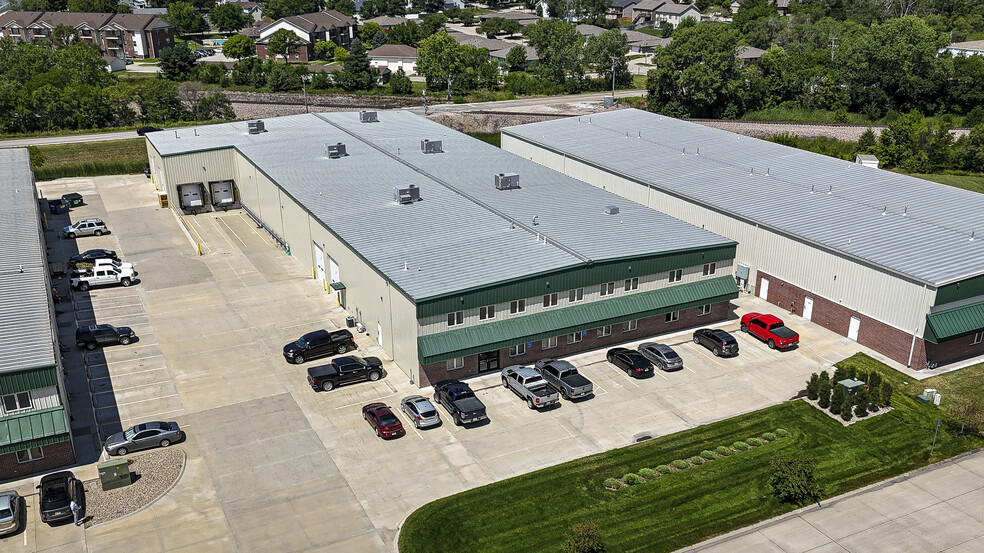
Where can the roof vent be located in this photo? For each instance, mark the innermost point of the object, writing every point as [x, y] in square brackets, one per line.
[334, 151]
[256, 127]
[406, 195]
[431, 146]
[611, 210]
[368, 117]
[506, 181]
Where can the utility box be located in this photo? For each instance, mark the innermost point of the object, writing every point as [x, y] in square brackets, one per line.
[852, 385]
[431, 146]
[114, 473]
[406, 195]
[57, 207]
[609, 101]
[506, 181]
[368, 117]
[335, 151]
[256, 127]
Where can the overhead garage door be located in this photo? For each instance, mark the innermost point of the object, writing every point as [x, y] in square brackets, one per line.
[223, 194]
[191, 195]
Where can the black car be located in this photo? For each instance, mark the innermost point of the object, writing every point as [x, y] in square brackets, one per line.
[318, 344]
[716, 340]
[89, 337]
[89, 256]
[630, 361]
[57, 492]
[144, 130]
[345, 370]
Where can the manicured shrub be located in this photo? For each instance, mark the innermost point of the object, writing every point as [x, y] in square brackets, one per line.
[793, 480]
[647, 473]
[874, 396]
[824, 377]
[837, 400]
[722, 451]
[839, 374]
[696, 460]
[680, 464]
[612, 483]
[663, 469]
[740, 446]
[823, 394]
[845, 410]
[769, 437]
[861, 404]
[874, 381]
[886, 394]
[584, 537]
[781, 433]
[632, 479]
[852, 372]
[708, 454]
[813, 386]
[753, 442]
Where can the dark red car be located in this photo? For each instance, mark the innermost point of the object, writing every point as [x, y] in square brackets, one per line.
[382, 419]
[770, 330]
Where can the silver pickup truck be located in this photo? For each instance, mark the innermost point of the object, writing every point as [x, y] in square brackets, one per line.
[529, 385]
[564, 378]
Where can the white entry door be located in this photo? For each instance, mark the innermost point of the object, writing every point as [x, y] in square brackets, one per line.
[333, 268]
[379, 333]
[852, 331]
[319, 261]
[764, 289]
[807, 308]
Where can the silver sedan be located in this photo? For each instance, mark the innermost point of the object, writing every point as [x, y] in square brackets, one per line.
[421, 411]
[143, 436]
[661, 355]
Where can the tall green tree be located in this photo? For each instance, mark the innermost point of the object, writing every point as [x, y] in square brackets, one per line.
[229, 17]
[345, 7]
[277, 9]
[405, 33]
[63, 36]
[283, 43]
[158, 101]
[432, 24]
[239, 47]
[606, 53]
[966, 88]
[560, 49]
[39, 5]
[325, 49]
[369, 30]
[93, 6]
[794, 480]
[185, 17]
[177, 63]
[376, 8]
[439, 60]
[516, 58]
[357, 73]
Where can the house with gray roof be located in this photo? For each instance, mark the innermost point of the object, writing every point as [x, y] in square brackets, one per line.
[125, 35]
[310, 28]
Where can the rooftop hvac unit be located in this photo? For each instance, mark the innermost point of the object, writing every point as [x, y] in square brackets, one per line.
[505, 181]
[406, 195]
[256, 127]
[611, 210]
[368, 117]
[431, 146]
[333, 151]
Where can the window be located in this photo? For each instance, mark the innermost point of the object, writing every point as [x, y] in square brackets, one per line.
[487, 312]
[456, 318]
[575, 295]
[517, 306]
[978, 338]
[456, 363]
[631, 325]
[17, 402]
[550, 300]
[574, 338]
[518, 349]
[673, 316]
[676, 276]
[704, 309]
[709, 268]
[631, 284]
[607, 289]
[29, 455]
[549, 343]
[605, 331]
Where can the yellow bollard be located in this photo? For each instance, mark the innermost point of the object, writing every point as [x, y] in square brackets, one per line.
[199, 249]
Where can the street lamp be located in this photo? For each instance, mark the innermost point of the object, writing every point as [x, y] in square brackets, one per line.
[305, 79]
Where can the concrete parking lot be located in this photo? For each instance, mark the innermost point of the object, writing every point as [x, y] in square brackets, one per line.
[273, 465]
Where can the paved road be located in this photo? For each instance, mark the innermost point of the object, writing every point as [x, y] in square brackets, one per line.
[67, 139]
[935, 509]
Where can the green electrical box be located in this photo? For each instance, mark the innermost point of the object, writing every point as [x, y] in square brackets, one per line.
[114, 473]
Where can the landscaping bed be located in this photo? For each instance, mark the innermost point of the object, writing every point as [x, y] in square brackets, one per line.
[155, 472]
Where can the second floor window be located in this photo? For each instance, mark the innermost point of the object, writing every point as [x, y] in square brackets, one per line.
[575, 295]
[676, 275]
[517, 306]
[487, 312]
[607, 289]
[709, 268]
[17, 402]
[550, 300]
[456, 318]
[631, 284]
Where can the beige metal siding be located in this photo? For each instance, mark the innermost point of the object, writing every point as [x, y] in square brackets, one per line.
[267, 205]
[402, 334]
[189, 167]
[246, 181]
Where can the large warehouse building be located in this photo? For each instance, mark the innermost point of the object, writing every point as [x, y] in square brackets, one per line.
[457, 256]
[891, 261]
[34, 429]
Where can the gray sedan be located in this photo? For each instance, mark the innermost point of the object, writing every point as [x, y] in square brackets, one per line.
[662, 356]
[9, 512]
[143, 436]
[421, 411]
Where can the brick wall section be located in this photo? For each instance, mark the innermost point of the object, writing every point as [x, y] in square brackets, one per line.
[885, 339]
[55, 456]
[653, 326]
[953, 350]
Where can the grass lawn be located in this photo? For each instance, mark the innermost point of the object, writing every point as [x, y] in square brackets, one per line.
[533, 512]
[492, 138]
[93, 158]
[967, 182]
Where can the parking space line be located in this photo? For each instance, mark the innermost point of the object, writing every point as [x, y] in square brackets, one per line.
[629, 378]
[250, 225]
[131, 372]
[219, 230]
[136, 359]
[364, 403]
[134, 402]
[201, 241]
[222, 220]
[596, 388]
[410, 422]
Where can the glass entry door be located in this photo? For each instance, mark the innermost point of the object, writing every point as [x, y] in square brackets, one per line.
[488, 361]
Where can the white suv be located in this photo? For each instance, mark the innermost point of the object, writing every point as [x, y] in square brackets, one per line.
[86, 227]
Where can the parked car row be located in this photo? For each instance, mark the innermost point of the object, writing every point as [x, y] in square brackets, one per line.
[56, 492]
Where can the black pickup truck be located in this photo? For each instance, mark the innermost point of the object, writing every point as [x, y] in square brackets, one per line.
[460, 401]
[344, 370]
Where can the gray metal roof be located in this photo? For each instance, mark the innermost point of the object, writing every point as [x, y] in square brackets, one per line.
[26, 339]
[464, 232]
[904, 224]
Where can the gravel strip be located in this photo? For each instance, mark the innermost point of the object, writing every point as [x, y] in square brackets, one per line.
[158, 470]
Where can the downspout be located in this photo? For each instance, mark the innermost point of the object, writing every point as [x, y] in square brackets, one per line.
[912, 348]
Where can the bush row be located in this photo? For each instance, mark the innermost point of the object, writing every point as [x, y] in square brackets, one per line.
[830, 394]
[647, 474]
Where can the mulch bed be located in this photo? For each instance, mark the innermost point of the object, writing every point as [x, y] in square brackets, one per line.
[154, 473]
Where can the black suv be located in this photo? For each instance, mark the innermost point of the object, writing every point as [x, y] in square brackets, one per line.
[718, 341]
[57, 492]
[344, 370]
[89, 337]
[318, 344]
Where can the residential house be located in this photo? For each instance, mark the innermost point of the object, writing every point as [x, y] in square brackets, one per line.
[394, 57]
[639, 43]
[670, 13]
[118, 35]
[387, 22]
[311, 28]
[524, 18]
[965, 49]
[749, 54]
[620, 9]
[114, 64]
[253, 9]
[867, 160]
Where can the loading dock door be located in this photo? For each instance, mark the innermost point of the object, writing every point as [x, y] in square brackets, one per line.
[191, 195]
[319, 259]
[852, 331]
[222, 193]
[807, 308]
[764, 289]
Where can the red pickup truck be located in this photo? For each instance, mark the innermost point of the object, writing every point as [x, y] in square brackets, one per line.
[769, 329]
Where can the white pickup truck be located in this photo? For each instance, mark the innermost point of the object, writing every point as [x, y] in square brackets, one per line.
[104, 274]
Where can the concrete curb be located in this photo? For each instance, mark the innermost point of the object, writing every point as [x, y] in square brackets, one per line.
[184, 463]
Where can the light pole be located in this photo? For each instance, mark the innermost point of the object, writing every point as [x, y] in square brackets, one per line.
[305, 79]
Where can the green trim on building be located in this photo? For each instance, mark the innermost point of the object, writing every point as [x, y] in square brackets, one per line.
[337, 286]
[18, 432]
[12, 382]
[953, 323]
[962, 290]
[573, 277]
[434, 348]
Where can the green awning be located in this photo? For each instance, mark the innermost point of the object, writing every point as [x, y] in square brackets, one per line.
[952, 323]
[42, 427]
[556, 322]
[337, 286]
[12, 382]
